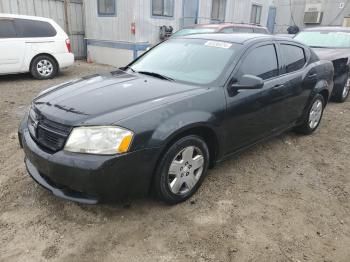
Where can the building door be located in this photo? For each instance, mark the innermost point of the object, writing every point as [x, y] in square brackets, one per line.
[271, 19]
[190, 12]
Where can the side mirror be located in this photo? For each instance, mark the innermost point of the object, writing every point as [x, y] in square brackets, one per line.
[247, 82]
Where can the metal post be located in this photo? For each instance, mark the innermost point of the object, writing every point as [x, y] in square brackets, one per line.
[66, 19]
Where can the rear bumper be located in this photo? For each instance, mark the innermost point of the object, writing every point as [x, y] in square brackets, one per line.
[64, 59]
[89, 178]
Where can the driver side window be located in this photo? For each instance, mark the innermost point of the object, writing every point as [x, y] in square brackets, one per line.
[261, 62]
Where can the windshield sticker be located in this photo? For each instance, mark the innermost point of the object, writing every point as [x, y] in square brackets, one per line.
[218, 44]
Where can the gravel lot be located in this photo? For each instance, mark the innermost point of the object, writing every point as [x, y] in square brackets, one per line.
[287, 199]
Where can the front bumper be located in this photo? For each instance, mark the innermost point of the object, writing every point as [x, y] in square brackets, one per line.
[89, 178]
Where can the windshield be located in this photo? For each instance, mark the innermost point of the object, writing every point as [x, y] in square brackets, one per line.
[195, 61]
[193, 31]
[324, 39]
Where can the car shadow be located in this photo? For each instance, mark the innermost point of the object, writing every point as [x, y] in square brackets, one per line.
[16, 77]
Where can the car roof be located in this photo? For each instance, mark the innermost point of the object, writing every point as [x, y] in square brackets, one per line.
[38, 18]
[328, 28]
[239, 38]
[224, 25]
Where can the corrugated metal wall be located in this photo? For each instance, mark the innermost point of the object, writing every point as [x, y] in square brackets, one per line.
[53, 9]
[149, 26]
[111, 27]
[290, 12]
[238, 11]
[117, 28]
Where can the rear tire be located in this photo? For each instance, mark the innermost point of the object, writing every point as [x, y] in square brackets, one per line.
[43, 67]
[313, 117]
[181, 170]
[341, 94]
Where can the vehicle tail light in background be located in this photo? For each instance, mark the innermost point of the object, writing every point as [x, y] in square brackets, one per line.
[68, 45]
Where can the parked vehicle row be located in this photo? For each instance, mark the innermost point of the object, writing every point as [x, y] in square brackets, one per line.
[158, 124]
[33, 44]
[332, 44]
[224, 28]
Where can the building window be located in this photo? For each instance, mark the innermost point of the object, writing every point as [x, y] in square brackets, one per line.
[255, 16]
[106, 7]
[163, 8]
[218, 8]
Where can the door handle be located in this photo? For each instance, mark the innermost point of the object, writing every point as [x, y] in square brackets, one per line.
[312, 76]
[278, 86]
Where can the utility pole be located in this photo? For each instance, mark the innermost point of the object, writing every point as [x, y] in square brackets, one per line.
[66, 19]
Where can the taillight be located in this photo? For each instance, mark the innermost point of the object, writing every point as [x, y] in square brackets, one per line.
[68, 45]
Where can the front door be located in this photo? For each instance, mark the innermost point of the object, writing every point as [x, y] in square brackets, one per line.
[250, 114]
[190, 12]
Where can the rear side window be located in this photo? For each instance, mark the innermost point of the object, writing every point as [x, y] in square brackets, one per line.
[33, 28]
[261, 62]
[242, 30]
[7, 29]
[294, 57]
[237, 30]
[227, 30]
[260, 31]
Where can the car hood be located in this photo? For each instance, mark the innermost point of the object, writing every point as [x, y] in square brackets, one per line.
[331, 54]
[108, 98]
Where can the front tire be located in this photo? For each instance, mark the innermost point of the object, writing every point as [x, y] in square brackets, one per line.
[314, 116]
[181, 170]
[43, 67]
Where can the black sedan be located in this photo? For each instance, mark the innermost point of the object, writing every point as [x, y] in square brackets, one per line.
[332, 44]
[158, 124]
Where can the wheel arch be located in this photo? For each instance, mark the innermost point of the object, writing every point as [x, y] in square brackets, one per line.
[201, 130]
[321, 87]
[325, 94]
[44, 54]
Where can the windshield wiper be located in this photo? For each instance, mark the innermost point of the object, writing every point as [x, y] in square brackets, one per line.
[156, 75]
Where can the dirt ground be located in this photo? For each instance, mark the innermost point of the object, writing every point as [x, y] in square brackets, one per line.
[287, 199]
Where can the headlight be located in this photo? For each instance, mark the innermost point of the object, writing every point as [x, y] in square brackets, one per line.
[102, 140]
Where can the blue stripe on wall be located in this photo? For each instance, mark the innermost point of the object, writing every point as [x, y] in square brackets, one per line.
[119, 45]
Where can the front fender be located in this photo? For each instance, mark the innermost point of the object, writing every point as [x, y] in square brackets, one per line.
[181, 123]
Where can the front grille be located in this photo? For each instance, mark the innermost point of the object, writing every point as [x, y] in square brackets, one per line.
[48, 134]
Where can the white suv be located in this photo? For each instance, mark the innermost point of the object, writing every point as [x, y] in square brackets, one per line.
[33, 44]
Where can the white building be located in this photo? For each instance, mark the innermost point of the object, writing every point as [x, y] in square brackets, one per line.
[117, 30]
[306, 13]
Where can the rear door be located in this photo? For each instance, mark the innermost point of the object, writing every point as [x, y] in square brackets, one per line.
[293, 94]
[11, 47]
